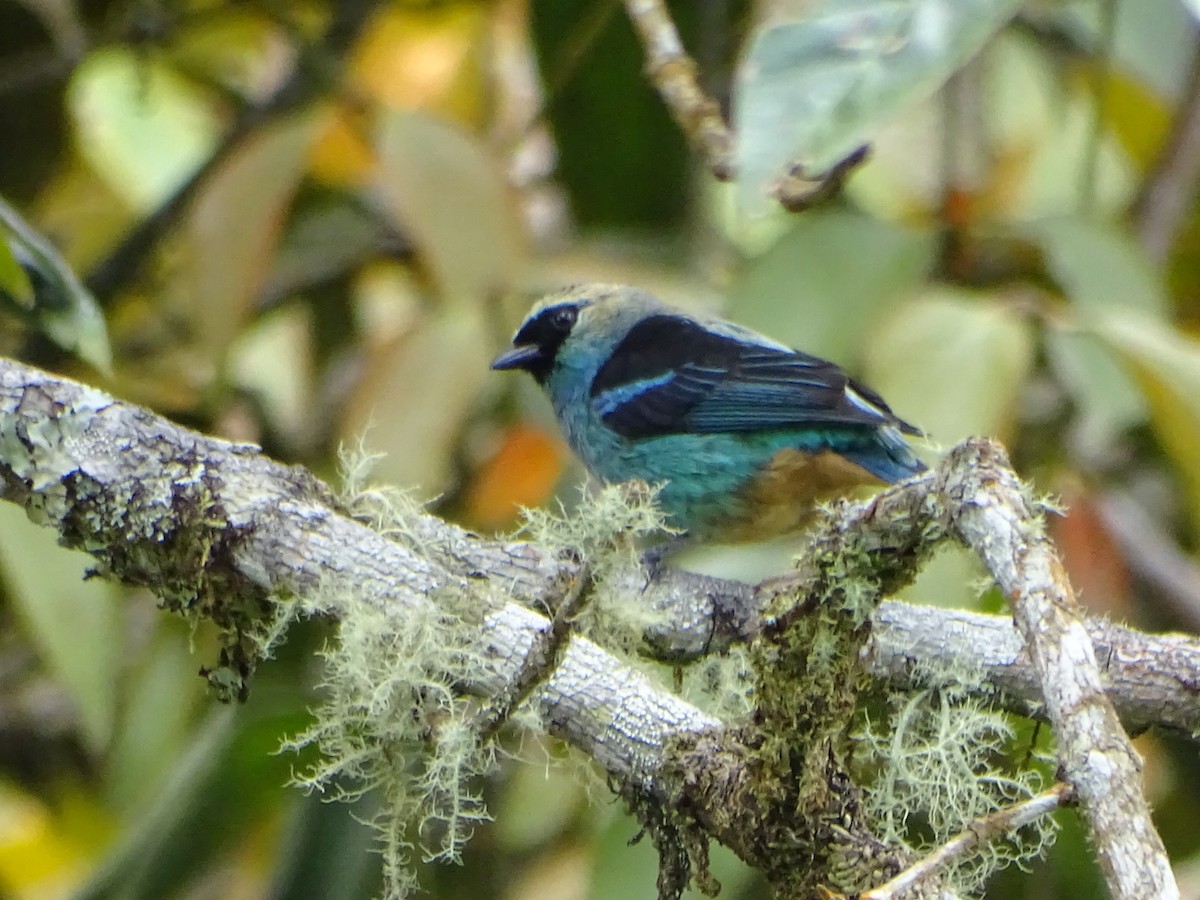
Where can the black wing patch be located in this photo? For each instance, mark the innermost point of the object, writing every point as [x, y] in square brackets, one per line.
[671, 375]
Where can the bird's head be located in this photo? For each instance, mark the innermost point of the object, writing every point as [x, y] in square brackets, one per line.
[603, 312]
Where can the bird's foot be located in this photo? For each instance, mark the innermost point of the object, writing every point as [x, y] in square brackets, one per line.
[654, 559]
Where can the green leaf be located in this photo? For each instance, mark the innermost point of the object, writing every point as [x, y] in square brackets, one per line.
[74, 624]
[1107, 398]
[953, 362]
[15, 286]
[1166, 365]
[1100, 270]
[1098, 266]
[813, 89]
[811, 289]
[143, 127]
[60, 306]
[449, 196]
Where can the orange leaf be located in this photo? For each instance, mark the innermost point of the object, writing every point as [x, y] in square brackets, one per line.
[522, 473]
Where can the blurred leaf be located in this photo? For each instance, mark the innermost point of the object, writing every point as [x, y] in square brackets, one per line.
[621, 870]
[1099, 266]
[272, 360]
[523, 472]
[1166, 364]
[342, 155]
[812, 90]
[448, 195]
[241, 48]
[537, 805]
[811, 289]
[232, 230]
[14, 283]
[61, 20]
[159, 696]
[414, 400]
[52, 297]
[1139, 118]
[1105, 394]
[39, 858]
[1092, 557]
[954, 363]
[74, 624]
[1099, 269]
[425, 57]
[141, 125]
[194, 773]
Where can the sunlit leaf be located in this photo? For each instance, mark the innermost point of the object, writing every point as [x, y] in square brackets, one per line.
[425, 57]
[57, 303]
[74, 624]
[811, 90]
[811, 289]
[39, 857]
[142, 126]
[1166, 364]
[233, 228]
[449, 196]
[953, 362]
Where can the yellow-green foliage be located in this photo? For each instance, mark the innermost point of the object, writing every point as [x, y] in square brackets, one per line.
[941, 760]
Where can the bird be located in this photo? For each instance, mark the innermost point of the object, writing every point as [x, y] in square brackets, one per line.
[742, 435]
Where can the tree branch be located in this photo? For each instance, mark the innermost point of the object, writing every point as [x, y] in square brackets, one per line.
[218, 530]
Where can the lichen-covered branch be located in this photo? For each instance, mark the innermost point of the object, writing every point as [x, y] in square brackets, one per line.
[993, 516]
[218, 530]
[997, 826]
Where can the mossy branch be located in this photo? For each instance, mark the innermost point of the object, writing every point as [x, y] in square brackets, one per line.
[219, 531]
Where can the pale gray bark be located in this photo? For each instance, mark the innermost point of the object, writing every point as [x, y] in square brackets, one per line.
[163, 506]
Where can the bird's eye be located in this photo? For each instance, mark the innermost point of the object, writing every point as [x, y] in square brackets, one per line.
[564, 318]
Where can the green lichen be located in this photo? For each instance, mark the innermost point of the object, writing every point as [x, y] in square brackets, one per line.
[941, 759]
[168, 532]
[606, 533]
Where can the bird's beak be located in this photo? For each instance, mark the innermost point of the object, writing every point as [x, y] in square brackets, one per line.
[519, 357]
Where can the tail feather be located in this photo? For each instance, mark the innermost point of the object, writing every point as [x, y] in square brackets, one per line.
[889, 457]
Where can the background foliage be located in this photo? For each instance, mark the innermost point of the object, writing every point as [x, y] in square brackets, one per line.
[305, 221]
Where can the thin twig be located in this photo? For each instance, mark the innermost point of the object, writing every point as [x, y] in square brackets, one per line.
[982, 831]
[674, 75]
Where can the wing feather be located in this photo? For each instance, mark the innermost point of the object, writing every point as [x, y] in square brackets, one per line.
[672, 375]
